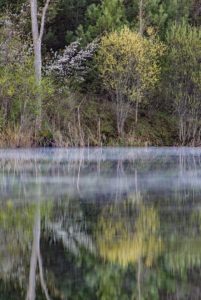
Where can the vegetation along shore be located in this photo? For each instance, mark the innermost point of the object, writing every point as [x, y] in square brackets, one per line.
[100, 72]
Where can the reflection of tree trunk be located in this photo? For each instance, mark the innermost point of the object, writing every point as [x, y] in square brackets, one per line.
[99, 132]
[31, 294]
[139, 279]
[35, 254]
[120, 179]
[42, 280]
[79, 170]
[136, 182]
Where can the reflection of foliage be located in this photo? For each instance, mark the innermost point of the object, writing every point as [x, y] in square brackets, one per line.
[16, 230]
[184, 254]
[128, 236]
[110, 281]
[18, 219]
[69, 226]
[124, 243]
[96, 281]
[183, 251]
[16, 234]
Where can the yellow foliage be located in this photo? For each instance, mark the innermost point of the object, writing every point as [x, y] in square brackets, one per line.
[129, 62]
[123, 243]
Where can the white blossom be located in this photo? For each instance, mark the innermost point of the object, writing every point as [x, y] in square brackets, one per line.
[72, 61]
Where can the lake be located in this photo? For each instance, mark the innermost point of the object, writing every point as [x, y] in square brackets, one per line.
[100, 223]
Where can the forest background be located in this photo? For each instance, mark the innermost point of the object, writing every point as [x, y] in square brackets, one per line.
[114, 72]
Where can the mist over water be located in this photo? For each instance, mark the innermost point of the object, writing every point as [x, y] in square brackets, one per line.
[107, 171]
[101, 223]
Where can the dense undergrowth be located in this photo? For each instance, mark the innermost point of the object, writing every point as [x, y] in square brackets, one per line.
[89, 126]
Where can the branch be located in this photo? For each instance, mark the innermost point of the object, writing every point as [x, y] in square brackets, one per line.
[43, 19]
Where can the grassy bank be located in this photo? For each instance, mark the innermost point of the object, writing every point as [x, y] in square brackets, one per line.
[92, 124]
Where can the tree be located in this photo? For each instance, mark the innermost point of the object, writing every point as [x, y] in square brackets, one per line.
[105, 17]
[125, 238]
[120, 241]
[130, 66]
[37, 34]
[184, 78]
[72, 62]
[64, 17]
[156, 14]
[17, 86]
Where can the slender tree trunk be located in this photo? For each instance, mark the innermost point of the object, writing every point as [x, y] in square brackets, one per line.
[36, 41]
[36, 258]
[136, 112]
[38, 77]
[37, 34]
[141, 20]
[38, 62]
[37, 59]
[31, 293]
[99, 132]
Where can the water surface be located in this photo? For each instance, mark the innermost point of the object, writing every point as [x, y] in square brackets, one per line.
[110, 223]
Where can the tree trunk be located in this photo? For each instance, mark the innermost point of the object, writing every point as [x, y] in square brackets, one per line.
[37, 35]
[38, 76]
[141, 21]
[136, 112]
[37, 59]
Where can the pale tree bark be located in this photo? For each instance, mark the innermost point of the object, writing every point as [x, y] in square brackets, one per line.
[141, 17]
[36, 259]
[37, 34]
[31, 293]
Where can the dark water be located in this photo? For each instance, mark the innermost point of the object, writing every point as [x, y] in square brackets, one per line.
[119, 223]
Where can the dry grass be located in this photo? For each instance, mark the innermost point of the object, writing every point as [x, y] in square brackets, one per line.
[13, 137]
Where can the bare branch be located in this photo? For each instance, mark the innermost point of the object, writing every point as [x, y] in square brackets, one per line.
[43, 19]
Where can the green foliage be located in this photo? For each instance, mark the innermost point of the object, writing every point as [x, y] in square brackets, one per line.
[130, 68]
[18, 89]
[161, 14]
[127, 57]
[129, 65]
[9, 4]
[185, 77]
[101, 18]
[63, 21]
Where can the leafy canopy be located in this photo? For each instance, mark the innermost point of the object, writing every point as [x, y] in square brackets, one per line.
[129, 62]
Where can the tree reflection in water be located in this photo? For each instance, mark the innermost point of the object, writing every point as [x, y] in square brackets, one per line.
[129, 234]
[129, 240]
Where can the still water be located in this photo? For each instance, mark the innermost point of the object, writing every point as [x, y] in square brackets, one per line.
[111, 223]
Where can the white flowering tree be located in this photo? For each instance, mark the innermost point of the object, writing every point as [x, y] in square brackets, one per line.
[72, 61]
